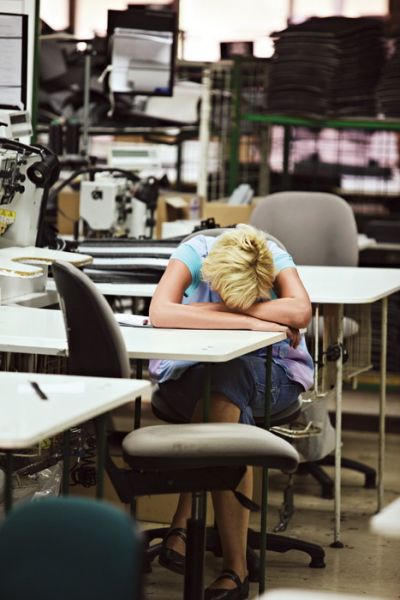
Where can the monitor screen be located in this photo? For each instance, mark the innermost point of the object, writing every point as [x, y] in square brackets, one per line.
[142, 51]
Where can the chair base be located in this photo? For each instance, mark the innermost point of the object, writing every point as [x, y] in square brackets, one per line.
[274, 543]
[283, 543]
[327, 484]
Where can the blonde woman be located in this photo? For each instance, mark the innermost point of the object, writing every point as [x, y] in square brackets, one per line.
[237, 280]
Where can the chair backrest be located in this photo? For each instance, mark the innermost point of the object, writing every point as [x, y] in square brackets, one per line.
[216, 231]
[68, 548]
[95, 343]
[316, 228]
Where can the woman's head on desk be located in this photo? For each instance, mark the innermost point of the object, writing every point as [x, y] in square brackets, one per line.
[240, 267]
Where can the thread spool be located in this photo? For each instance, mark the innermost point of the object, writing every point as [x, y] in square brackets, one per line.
[56, 143]
[72, 135]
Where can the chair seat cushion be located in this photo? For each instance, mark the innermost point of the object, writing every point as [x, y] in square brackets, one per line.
[201, 444]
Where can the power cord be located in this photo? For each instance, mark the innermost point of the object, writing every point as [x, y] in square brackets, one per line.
[84, 471]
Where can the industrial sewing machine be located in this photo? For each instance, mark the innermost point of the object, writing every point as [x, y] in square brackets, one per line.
[109, 207]
[26, 174]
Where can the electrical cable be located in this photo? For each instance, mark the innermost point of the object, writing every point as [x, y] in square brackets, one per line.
[84, 471]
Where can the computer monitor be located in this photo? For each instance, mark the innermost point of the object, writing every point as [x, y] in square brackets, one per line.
[142, 51]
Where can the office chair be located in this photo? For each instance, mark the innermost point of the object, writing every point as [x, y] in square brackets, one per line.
[162, 458]
[276, 543]
[70, 548]
[317, 229]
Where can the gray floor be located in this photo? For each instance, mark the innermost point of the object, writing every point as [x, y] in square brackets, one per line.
[367, 565]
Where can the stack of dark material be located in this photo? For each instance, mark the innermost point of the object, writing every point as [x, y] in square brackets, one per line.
[127, 260]
[327, 67]
[388, 90]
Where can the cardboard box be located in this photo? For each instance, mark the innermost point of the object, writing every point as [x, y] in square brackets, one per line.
[160, 509]
[177, 206]
[68, 211]
[226, 214]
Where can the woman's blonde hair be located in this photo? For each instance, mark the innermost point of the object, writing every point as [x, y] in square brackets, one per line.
[240, 267]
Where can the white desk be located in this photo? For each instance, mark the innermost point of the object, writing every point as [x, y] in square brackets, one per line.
[32, 331]
[349, 285]
[26, 419]
[354, 285]
[35, 299]
[42, 331]
[387, 522]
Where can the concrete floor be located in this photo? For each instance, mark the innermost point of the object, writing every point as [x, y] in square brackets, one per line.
[367, 565]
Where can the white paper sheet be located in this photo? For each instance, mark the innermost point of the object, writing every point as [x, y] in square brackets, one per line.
[128, 320]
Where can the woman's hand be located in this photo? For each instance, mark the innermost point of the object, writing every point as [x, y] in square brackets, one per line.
[294, 335]
[260, 325]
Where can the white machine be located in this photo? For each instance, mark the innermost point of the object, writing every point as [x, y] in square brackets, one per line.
[108, 205]
[26, 174]
[20, 198]
[15, 125]
[136, 157]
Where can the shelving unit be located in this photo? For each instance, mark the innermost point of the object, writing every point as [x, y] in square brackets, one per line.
[289, 122]
[275, 152]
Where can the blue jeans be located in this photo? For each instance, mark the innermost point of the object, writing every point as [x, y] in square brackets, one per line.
[241, 380]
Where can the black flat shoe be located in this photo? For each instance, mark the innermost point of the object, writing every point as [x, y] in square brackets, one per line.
[170, 559]
[240, 592]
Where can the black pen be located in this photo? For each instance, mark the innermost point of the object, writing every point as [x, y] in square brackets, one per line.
[38, 390]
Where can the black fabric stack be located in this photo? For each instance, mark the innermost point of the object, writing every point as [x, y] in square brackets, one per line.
[388, 90]
[327, 67]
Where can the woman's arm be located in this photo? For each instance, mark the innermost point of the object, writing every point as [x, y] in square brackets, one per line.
[166, 309]
[291, 308]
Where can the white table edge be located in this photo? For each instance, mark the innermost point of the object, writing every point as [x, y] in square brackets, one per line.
[82, 418]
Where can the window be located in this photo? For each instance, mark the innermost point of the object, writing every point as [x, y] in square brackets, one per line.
[206, 23]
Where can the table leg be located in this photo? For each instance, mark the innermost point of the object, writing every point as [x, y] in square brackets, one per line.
[194, 568]
[196, 524]
[100, 422]
[338, 429]
[316, 349]
[207, 392]
[264, 489]
[138, 400]
[137, 421]
[8, 496]
[66, 452]
[382, 401]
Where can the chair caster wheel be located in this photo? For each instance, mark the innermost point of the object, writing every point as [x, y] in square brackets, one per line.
[317, 563]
